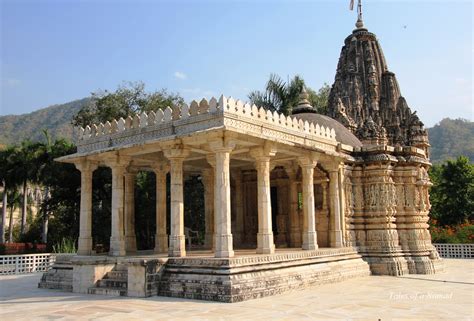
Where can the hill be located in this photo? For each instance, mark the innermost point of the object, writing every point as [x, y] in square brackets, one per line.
[451, 138]
[56, 119]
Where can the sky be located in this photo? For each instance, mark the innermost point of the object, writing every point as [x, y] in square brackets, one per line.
[55, 51]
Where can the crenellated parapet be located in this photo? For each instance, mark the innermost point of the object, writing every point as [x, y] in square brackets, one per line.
[225, 112]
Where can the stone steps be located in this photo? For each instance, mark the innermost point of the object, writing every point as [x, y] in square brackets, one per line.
[107, 291]
[59, 277]
[114, 283]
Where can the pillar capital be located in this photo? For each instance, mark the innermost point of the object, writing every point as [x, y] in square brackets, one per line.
[307, 161]
[176, 152]
[222, 145]
[267, 151]
[161, 167]
[85, 165]
[333, 166]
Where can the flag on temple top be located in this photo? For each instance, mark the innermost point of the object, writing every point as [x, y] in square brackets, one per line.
[351, 5]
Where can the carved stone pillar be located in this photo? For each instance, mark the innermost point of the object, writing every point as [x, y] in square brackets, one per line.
[130, 237]
[348, 213]
[265, 243]
[208, 182]
[222, 205]
[342, 202]
[117, 238]
[358, 218]
[295, 232]
[335, 232]
[382, 243]
[176, 157]
[85, 221]
[309, 222]
[239, 208]
[411, 185]
[161, 237]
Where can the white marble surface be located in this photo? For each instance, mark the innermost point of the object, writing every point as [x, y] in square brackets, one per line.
[444, 296]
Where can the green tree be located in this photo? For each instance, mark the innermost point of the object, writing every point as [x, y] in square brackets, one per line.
[60, 209]
[14, 201]
[284, 96]
[8, 182]
[319, 99]
[452, 193]
[129, 98]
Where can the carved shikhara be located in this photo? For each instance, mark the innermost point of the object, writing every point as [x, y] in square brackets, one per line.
[182, 120]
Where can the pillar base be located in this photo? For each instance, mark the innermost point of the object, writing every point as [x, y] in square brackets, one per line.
[161, 243]
[265, 243]
[335, 238]
[310, 241]
[84, 246]
[131, 243]
[177, 247]
[225, 246]
[117, 246]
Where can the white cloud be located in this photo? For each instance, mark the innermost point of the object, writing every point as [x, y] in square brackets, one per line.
[180, 75]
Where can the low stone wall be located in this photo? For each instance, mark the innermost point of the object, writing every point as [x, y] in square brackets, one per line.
[456, 251]
[245, 278]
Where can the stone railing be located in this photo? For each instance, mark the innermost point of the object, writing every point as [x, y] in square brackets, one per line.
[195, 109]
[458, 251]
[26, 263]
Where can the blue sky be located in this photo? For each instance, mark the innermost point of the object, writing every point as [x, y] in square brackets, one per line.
[57, 51]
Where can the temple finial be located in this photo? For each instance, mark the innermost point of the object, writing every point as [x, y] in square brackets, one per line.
[304, 106]
[359, 24]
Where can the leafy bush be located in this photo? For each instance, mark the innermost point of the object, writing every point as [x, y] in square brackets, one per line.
[67, 245]
[460, 234]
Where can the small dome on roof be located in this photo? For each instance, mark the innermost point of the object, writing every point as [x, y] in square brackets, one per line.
[305, 111]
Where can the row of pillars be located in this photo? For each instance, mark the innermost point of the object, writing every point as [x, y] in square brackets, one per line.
[123, 235]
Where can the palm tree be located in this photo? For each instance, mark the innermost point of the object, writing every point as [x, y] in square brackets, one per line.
[278, 94]
[284, 96]
[24, 169]
[14, 200]
[4, 212]
[44, 160]
[7, 181]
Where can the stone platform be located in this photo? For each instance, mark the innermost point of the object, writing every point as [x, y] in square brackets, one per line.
[202, 276]
[251, 276]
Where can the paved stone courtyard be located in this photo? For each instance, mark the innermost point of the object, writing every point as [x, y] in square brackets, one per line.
[448, 295]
